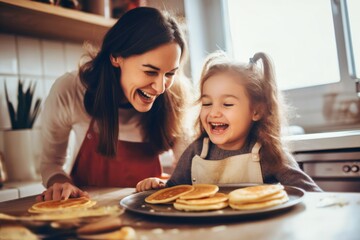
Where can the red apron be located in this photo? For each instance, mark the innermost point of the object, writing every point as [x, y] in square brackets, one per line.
[134, 162]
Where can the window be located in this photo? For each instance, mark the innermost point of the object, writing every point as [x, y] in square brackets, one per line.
[354, 31]
[315, 46]
[298, 35]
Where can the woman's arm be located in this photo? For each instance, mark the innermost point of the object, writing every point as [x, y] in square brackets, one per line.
[61, 112]
[60, 188]
[55, 131]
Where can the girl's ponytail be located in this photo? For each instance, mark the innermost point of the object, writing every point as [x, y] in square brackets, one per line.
[269, 128]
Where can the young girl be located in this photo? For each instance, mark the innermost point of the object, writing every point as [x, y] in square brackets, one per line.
[240, 130]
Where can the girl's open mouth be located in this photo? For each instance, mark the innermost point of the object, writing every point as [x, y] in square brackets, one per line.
[218, 127]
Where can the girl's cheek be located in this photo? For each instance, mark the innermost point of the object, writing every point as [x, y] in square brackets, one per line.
[203, 117]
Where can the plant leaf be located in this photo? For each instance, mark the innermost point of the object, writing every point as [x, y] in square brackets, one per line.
[12, 116]
[27, 107]
[21, 105]
[35, 112]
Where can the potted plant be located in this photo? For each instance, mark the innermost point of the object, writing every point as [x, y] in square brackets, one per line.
[19, 142]
[23, 118]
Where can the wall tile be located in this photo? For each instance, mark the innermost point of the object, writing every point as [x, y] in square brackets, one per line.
[47, 83]
[53, 58]
[8, 58]
[73, 53]
[29, 56]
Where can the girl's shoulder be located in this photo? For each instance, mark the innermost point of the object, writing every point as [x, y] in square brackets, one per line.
[198, 143]
[195, 146]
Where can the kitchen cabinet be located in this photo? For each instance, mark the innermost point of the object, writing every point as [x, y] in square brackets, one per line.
[42, 20]
[332, 159]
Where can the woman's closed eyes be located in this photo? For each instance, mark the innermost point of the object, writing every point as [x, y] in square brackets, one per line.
[154, 74]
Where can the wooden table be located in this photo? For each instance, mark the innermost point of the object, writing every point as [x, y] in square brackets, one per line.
[306, 220]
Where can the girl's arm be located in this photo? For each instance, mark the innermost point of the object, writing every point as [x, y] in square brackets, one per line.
[291, 174]
[150, 183]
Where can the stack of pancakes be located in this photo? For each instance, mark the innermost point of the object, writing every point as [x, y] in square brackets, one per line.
[53, 206]
[257, 197]
[198, 197]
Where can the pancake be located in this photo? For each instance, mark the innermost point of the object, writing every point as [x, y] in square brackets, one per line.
[277, 195]
[15, 232]
[201, 191]
[71, 203]
[102, 225]
[166, 195]
[125, 233]
[217, 198]
[218, 201]
[259, 205]
[72, 213]
[205, 207]
[4, 216]
[253, 193]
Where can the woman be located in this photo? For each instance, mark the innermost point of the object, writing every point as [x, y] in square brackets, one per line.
[120, 107]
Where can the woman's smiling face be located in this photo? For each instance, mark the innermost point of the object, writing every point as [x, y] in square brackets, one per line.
[226, 113]
[144, 77]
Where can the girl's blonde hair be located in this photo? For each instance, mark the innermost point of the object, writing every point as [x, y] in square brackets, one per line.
[258, 79]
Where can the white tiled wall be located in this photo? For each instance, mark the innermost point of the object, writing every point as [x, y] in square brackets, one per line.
[35, 59]
[8, 59]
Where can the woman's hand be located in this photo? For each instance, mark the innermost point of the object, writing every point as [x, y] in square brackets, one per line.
[150, 183]
[61, 191]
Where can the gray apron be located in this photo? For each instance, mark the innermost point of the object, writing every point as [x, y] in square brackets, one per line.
[243, 168]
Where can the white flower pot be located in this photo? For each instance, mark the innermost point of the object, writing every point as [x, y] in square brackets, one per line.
[21, 154]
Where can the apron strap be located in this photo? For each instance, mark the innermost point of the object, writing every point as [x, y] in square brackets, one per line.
[205, 148]
[256, 148]
[255, 152]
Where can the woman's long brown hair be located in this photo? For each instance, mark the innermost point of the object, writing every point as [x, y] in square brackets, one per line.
[136, 32]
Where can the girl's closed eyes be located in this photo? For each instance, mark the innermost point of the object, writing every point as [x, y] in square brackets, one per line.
[228, 104]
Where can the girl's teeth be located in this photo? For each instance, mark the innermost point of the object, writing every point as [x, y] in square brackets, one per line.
[218, 124]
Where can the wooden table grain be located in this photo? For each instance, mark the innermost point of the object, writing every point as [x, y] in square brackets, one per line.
[326, 215]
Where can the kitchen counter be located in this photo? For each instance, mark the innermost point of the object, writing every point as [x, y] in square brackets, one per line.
[326, 215]
[324, 141]
[15, 190]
